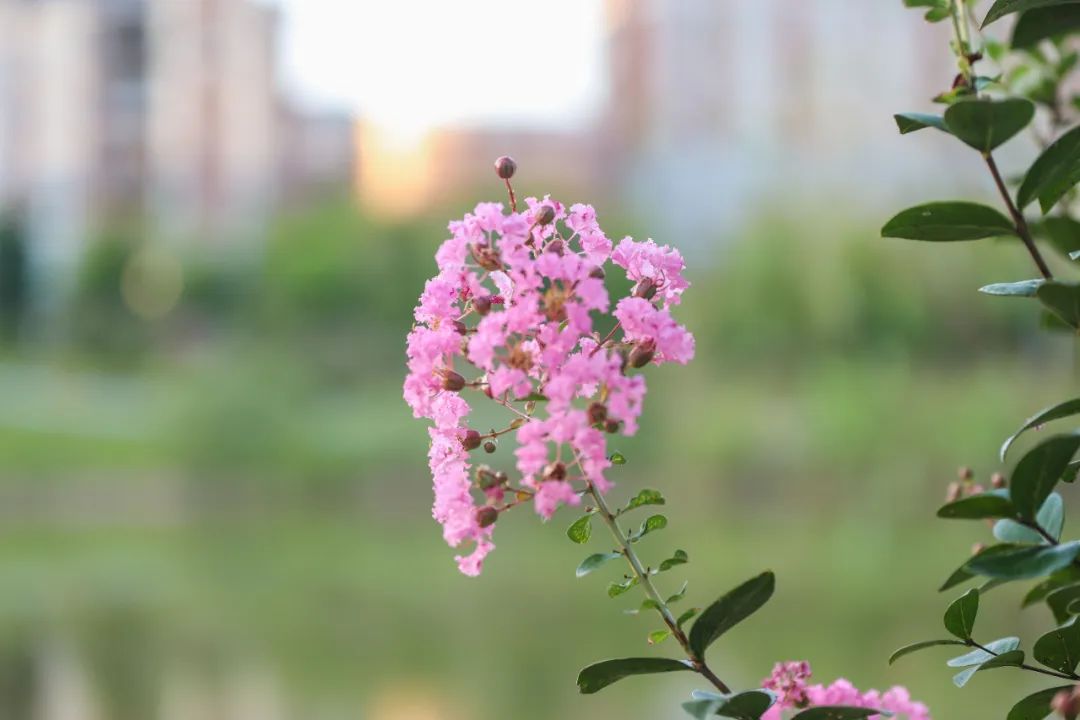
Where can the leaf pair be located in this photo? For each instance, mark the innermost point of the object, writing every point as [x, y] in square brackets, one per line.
[981, 124]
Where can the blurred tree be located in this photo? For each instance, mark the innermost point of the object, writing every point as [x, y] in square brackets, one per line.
[14, 272]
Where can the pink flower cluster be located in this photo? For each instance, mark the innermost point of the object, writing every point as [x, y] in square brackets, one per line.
[789, 682]
[512, 319]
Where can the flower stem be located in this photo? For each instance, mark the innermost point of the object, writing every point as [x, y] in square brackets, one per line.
[644, 579]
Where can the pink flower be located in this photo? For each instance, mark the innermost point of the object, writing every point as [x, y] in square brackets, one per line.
[788, 682]
[644, 322]
[663, 266]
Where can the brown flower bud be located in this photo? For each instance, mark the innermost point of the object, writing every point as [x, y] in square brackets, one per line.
[505, 167]
[502, 478]
[452, 381]
[545, 215]
[597, 412]
[460, 327]
[555, 471]
[645, 288]
[482, 304]
[471, 441]
[965, 473]
[490, 445]
[1066, 704]
[953, 493]
[597, 273]
[485, 478]
[485, 256]
[643, 353]
[997, 480]
[612, 426]
[556, 246]
[486, 516]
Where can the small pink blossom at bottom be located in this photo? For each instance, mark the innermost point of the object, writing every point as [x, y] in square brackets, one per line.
[788, 681]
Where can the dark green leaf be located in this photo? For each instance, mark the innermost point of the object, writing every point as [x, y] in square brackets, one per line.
[1053, 174]
[986, 124]
[679, 595]
[911, 122]
[978, 507]
[1001, 8]
[839, 712]
[1062, 600]
[1023, 288]
[1055, 412]
[594, 561]
[1041, 24]
[1018, 562]
[598, 676]
[1013, 658]
[1063, 299]
[1062, 233]
[1039, 471]
[729, 610]
[1056, 581]
[1051, 517]
[651, 524]
[1037, 705]
[1059, 649]
[961, 613]
[915, 647]
[645, 497]
[962, 574]
[617, 458]
[581, 530]
[686, 616]
[616, 589]
[948, 222]
[748, 705]
[679, 558]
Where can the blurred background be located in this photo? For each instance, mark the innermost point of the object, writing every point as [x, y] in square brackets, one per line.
[216, 218]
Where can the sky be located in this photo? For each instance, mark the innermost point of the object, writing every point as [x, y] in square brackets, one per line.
[417, 64]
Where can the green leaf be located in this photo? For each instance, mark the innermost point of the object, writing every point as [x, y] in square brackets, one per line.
[651, 524]
[581, 530]
[729, 610]
[978, 507]
[616, 589]
[1040, 24]
[1023, 288]
[658, 636]
[1061, 601]
[679, 595]
[948, 222]
[679, 558]
[962, 574]
[1053, 174]
[1001, 8]
[1051, 518]
[1037, 705]
[1062, 233]
[686, 616]
[1059, 649]
[979, 656]
[912, 122]
[1056, 581]
[617, 458]
[915, 647]
[599, 675]
[961, 613]
[748, 705]
[1039, 471]
[1013, 658]
[645, 497]
[1063, 299]
[1055, 412]
[839, 712]
[1017, 562]
[986, 124]
[595, 561]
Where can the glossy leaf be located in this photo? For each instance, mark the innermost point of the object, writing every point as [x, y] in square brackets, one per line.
[658, 636]
[986, 124]
[686, 616]
[1022, 288]
[915, 647]
[1058, 580]
[1037, 705]
[1053, 174]
[1059, 649]
[1001, 8]
[1017, 562]
[747, 705]
[978, 656]
[1055, 412]
[581, 530]
[962, 574]
[1062, 601]
[651, 525]
[1013, 658]
[1040, 24]
[912, 122]
[679, 558]
[1039, 471]
[839, 712]
[960, 615]
[948, 222]
[978, 507]
[1063, 300]
[678, 595]
[730, 610]
[1051, 518]
[598, 676]
[616, 589]
[645, 497]
[595, 561]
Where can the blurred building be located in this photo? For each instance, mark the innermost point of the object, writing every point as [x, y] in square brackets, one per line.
[168, 111]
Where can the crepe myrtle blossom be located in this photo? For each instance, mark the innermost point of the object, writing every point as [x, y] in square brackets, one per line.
[519, 317]
[788, 682]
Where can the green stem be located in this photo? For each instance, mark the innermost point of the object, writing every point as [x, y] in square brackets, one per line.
[1018, 218]
[645, 580]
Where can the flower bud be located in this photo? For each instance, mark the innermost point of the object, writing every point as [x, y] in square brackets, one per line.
[502, 478]
[460, 327]
[545, 215]
[485, 256]
[597, 273]
[1066, 703]
[612, 426]
[597, 413]
[642, 354]
[953, 493]
[505, 167]
[997, 481]
[645, 288]
[482, 304]
[556, 246]
[486, 516]
[490, 445]
[452, 381]
[965, 473]
[555, 471]
[471, 440]
[485, 478]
